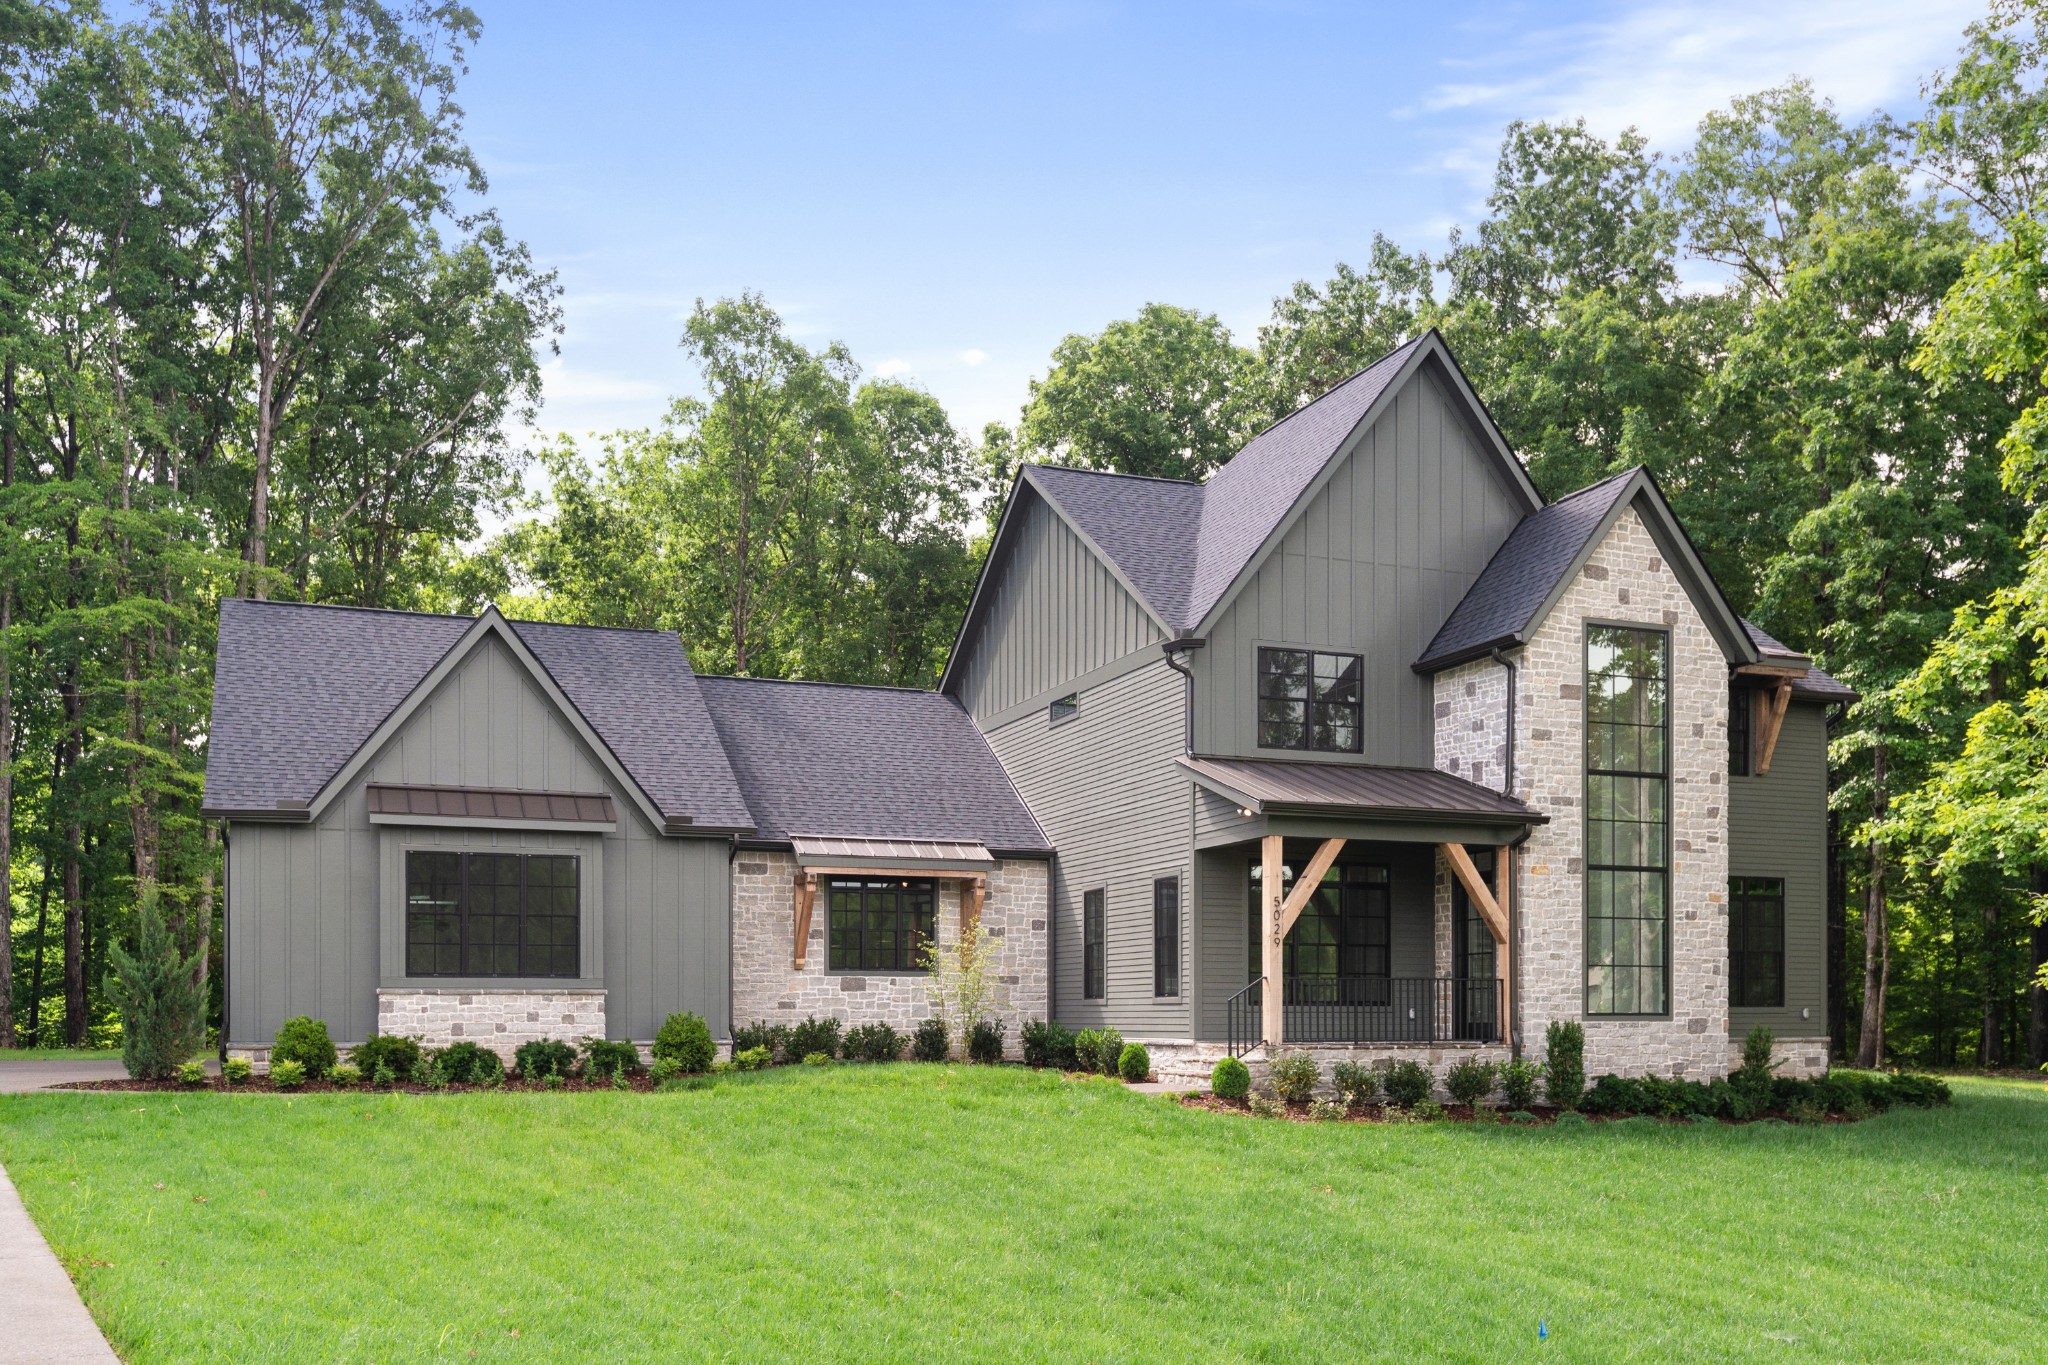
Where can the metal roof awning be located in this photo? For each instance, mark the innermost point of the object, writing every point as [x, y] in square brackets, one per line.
[489, 807]
[1421, 804]
[892, 855]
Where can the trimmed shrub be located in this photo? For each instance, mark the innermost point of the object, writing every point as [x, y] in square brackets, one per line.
[304, 1040]
[757, 1034]
[544, 1057]
[1564, 1063]
[386, 1052]
[346, 1073]
[1614, 1095]
[468, 1063]
[817, 1059]
[1264, 1107]
[163, 1011]
[192, 1072]
[1295, 1077]
[663, 1069]
[1518, 1080]
[812, 1035]
[1356, 1083]
[1326, 1111]
[1049, 1044]
[1471, 1080]
[1230, 1079]
[1920, 1092]
[1572, 1118]
[753, 1059]
[872, 1043]
[237, 1070]
[1134, 1063]
[930, 1043]
[1097, 1050]
[606, 1057]
[1752, 1081]
[1407, 1083]
[685, 1040]
[1428, 1110]
[1520, 1116]
[287, 1075]
[384, 1078]
[985, 1041]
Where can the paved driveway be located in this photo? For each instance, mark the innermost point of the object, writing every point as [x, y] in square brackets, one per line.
[19, 1077]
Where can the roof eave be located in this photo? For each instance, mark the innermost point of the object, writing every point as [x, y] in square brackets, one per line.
[1437, 663]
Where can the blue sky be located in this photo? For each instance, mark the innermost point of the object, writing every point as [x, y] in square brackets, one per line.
[950, 188]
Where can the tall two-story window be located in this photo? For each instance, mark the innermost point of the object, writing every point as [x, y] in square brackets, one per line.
[879, 925]
[1166, 937]
[1628, 778]
[1741, 711]
[1311, 700]
[1092, 955]
[490, 914]
[1756, 941]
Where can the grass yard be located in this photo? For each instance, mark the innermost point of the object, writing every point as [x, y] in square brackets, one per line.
[922, 1213]
[59, 1054]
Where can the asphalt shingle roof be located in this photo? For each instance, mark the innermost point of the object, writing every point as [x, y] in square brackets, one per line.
[1520, 577]
[1143, 525]
[298, 689]
[866, 762]
[1818, 685]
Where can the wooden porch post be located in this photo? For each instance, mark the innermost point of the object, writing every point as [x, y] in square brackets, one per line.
[1272, 931]
[806, 893]
[972, 890]
[1504, 955]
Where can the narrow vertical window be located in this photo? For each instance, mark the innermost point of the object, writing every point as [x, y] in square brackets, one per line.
[1166, 936]
[1741, 709]
[1091, 945]
[1628, 766]
[1756, 942]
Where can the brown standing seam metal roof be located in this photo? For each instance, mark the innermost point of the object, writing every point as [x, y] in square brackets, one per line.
[492, 803]
[819, 849]
[1816, 685]
[1413, 793]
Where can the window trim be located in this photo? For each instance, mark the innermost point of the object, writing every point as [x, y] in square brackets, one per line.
[1166, 946]
[1060, 710]
[1586, 774]
[463, 914]
[1095, 944]
[901, 885]
[1738, 972]
[1260, 649]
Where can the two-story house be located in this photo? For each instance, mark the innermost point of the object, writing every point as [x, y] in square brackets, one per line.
[1358, 745]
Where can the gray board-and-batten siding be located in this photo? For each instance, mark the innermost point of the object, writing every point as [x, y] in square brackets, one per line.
[311, 918]
[1778, 827]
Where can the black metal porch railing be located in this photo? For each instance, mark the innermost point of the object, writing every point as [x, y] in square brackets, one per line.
[1372, 1009]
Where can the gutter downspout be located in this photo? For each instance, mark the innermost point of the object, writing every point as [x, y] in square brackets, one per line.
[1173, 649]
[1515, 1038]
[1507, 777]
[224, 905]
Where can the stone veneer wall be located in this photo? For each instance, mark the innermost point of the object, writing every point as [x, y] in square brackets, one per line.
[1180, 1062]
[766, 986]
[1625, 580]
[1800, 1057]
[498, 1019]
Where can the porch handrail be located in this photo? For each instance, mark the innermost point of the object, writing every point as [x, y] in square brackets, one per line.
[1244, 1020]
[1372, 1009]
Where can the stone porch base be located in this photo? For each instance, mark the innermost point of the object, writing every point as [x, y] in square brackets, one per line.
[498, 1019]
[1801, 1058]
[1183, 1061]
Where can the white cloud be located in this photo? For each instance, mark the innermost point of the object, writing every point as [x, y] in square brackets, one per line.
[973, 356]
[564, 385]
[892, 367]
[1660, 69]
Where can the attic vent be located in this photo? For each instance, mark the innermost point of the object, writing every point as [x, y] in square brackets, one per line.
[1064, 707]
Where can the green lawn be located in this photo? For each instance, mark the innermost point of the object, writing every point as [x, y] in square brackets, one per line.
[59, 1054]
[927, 1213]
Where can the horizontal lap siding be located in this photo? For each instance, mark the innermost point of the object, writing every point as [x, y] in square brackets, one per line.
[1374, 565]
[1054, 613]
[1778, 827]
[1107, 791]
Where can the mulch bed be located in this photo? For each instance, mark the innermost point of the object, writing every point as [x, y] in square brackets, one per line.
[1455, 1113]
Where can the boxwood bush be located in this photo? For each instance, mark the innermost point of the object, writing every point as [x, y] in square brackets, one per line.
[760, 1033]
[1471, 1080]
[468, 1063]
[1134, 1063]
[304, 1040]
[1518, 1080]
[685, 1040]
[287, 1074]
[930, 1043]
[985, 1041]
[1407, 1083]
[1097, 1050]
[1230, 1079]
[390, 1052]
[605, 1057]
[872, 1043]
[544, 1057]
[1049, 1044]
[812, 1035]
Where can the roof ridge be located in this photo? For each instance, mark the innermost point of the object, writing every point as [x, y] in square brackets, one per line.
[1113, 474]
[1343, 383]
[1595, 486]
[823, 682]
[446, 616]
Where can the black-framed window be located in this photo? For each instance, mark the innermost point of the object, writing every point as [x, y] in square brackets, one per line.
[1311, 700]
[1092, 954]
[1166, 936]
[1741, 714]
[1756, 942]
[1345, 932]
[491, 914]
[879, 924]
[1063, 708]
[1628, 767]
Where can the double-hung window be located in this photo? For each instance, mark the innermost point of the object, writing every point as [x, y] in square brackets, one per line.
[1756, 942]
[1092, 982]
[879, 924]
[1166, 937]
[1311, 700]
[490, 914]
[1628, 777]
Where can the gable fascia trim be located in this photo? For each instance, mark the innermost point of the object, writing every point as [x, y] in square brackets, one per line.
[490, 624]
[1643, 494]
[1430, 347]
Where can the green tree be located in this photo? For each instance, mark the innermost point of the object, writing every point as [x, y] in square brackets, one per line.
[156, 989]
[1318, 337]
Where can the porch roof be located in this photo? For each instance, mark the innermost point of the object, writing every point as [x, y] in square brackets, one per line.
[1278, 787]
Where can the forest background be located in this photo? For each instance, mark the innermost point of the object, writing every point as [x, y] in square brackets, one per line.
[261, 334]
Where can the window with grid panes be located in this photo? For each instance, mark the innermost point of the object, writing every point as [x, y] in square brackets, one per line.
[1628, 881]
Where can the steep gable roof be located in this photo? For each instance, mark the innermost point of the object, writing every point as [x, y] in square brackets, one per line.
[301, 692]
[836, 761]
[1534, 565]
[1141, 526]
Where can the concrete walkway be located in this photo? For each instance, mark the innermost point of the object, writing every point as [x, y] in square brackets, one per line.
[45, 1322]
[18, 1078]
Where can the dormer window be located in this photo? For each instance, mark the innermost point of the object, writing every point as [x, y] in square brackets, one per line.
[1311, 700]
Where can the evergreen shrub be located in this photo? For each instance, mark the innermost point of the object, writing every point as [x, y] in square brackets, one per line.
[304, 1040]
[685, 1041]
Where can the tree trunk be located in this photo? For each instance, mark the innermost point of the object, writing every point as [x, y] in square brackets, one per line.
[254, 552]
[7, 1038]
[74, 938]
[35, 988]
[205, 913]
[1991, 1032]
[1876, 936]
